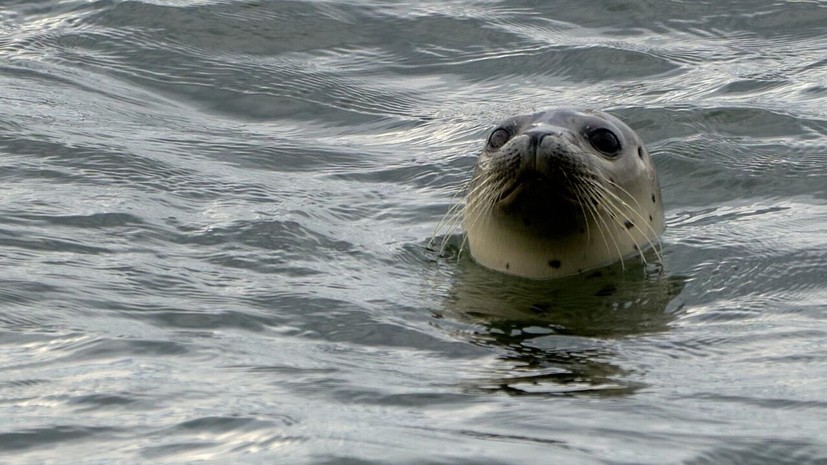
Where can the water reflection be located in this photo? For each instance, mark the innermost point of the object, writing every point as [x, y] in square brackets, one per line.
[559, 337]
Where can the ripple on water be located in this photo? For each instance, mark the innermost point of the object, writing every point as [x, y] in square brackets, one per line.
[756, 450]
[209, 437]
[214, 221]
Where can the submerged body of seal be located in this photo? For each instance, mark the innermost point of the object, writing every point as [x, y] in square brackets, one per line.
[559, 192]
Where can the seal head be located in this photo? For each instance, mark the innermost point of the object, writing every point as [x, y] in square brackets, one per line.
[559, 192]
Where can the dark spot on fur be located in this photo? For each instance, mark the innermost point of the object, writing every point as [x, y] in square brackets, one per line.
[635, 246]
[606, 291]
[653, 199]
[640, 152]
[507, 266]
[596, 274]
[650, 217]
[612, 180]
[628, 224]
[554, 263]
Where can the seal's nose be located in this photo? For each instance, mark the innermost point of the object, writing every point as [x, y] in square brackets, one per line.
[537, 135]
[535, 139]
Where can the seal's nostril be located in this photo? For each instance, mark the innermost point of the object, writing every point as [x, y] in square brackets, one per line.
[537, 136]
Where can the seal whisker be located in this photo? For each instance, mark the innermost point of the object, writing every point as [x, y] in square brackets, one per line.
[450, 222]
[636, 212]
[624, 227]
[594, 194]
[594, 214]
[581, 199]
[640, 218]
[615, 215]
[453, 217]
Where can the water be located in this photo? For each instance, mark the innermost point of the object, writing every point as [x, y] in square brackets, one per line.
[214, 221]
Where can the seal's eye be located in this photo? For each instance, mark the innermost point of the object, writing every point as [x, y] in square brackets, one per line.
[604, 140]
[498, 138]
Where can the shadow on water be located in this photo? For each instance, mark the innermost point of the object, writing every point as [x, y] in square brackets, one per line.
[559, 337]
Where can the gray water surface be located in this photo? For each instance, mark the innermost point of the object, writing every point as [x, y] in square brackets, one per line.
[214, 217]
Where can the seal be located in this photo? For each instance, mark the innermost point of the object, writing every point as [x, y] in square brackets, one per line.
[560, 192]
